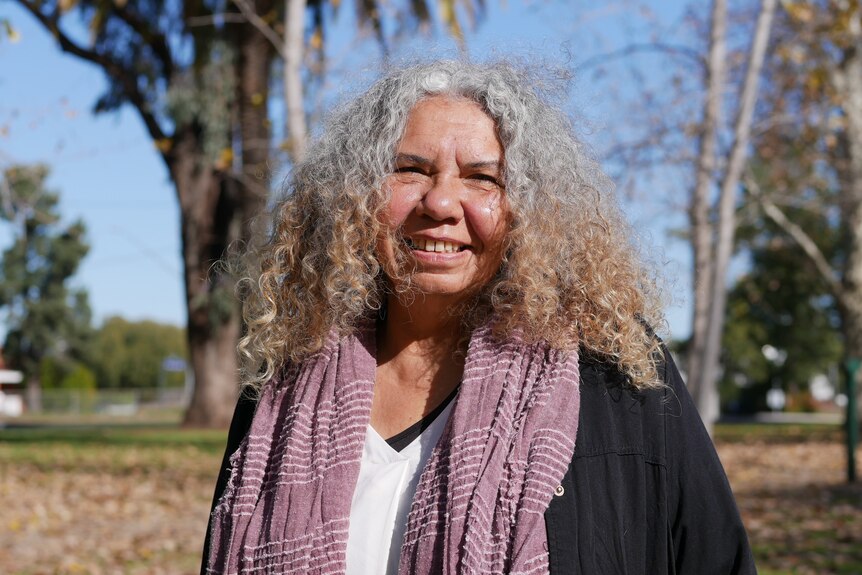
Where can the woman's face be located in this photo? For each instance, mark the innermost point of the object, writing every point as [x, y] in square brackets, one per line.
[447, 197]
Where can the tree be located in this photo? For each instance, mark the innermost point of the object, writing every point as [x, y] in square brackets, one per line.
[46, 317]
[200, 91]
[129, 354]
[199, 75]
[780, 302]
[712, 239]
[814, 154]
[681, 132]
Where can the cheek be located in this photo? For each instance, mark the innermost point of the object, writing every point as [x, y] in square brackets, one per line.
[490, 221]
[402, 202]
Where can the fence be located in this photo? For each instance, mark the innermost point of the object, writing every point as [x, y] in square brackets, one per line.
[116, 402]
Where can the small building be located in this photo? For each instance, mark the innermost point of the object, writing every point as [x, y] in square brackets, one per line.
[11, 404]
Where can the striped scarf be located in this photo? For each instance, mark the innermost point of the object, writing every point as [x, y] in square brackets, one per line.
[481, 498]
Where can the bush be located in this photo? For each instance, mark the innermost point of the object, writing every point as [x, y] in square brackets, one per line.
[79, 377]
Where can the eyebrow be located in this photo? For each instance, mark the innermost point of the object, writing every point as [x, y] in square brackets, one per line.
[413, 159]
[493, 164]
[419, 160]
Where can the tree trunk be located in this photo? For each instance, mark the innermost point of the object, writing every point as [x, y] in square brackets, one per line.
[254, 64]
[848, 82]
[707, 396]
[208, 215]
[219, 215]
[294, 31]
[701, 229]
[33, 395]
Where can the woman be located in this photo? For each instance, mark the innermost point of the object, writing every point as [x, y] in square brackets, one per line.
[449, 337]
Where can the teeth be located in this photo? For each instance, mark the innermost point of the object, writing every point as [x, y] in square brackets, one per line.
[434, 246]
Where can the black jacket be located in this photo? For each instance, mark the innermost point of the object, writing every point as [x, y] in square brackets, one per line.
[645, 493]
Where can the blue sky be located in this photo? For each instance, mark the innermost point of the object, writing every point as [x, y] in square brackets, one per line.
[108, 173]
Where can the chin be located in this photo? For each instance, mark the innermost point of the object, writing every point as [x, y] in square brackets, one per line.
[456, 290]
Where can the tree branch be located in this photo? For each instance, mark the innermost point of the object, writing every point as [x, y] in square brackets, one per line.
[798, 235]
[660, 47]
[154, 39]
[114, 69]
[250, 183]
[213, 19]
[260, 24]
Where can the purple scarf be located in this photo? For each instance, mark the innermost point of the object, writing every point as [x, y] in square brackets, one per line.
[480, 501]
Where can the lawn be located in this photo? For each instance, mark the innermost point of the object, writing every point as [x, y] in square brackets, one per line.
[135, 500]
[105, 500]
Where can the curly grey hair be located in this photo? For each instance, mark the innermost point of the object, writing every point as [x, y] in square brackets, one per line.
[570, 274]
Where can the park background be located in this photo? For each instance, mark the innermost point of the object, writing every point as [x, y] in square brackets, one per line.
[732, 148]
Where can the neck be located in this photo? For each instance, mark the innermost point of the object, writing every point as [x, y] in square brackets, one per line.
[419, 328]
[420, 333]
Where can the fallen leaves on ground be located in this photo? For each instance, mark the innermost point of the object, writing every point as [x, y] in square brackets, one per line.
[105, 509]
[801, 515]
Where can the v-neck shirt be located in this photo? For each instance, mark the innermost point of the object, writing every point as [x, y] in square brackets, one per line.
[401, 440]
[388, 477]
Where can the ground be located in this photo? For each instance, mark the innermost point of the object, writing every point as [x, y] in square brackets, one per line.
[791, 487]
[135, 500]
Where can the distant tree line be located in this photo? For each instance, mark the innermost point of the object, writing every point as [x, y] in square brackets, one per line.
[49, 332]
[122, 354]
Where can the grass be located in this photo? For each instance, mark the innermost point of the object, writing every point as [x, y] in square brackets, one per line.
[777, 432]
[144, 437]
[134, 498]
[124, 449]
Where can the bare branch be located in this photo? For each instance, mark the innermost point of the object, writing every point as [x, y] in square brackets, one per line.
[250, 183]
[260, 24]
[798, 235]
[658, 47]
[127, 79]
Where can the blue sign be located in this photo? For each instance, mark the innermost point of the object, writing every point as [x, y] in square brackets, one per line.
[173, 363]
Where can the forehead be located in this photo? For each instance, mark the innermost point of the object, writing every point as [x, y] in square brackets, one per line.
[450, 121]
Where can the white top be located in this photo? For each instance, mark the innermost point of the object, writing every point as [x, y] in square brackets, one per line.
[383, 496]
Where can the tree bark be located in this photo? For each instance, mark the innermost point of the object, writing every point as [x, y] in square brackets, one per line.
[207, 210]
[701, 228]
[254, 65]
[220, 218]
[848, 82]
[296, 131]
[727, 212]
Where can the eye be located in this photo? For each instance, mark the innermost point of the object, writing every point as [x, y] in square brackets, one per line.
[486, 180]
[409, 170]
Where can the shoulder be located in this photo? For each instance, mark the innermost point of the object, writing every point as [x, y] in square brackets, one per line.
[615, 417]
[646, 477]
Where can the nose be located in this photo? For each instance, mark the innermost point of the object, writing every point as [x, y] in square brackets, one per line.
[443, 200]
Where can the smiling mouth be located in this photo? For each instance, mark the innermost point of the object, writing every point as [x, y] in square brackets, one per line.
[424, 245]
